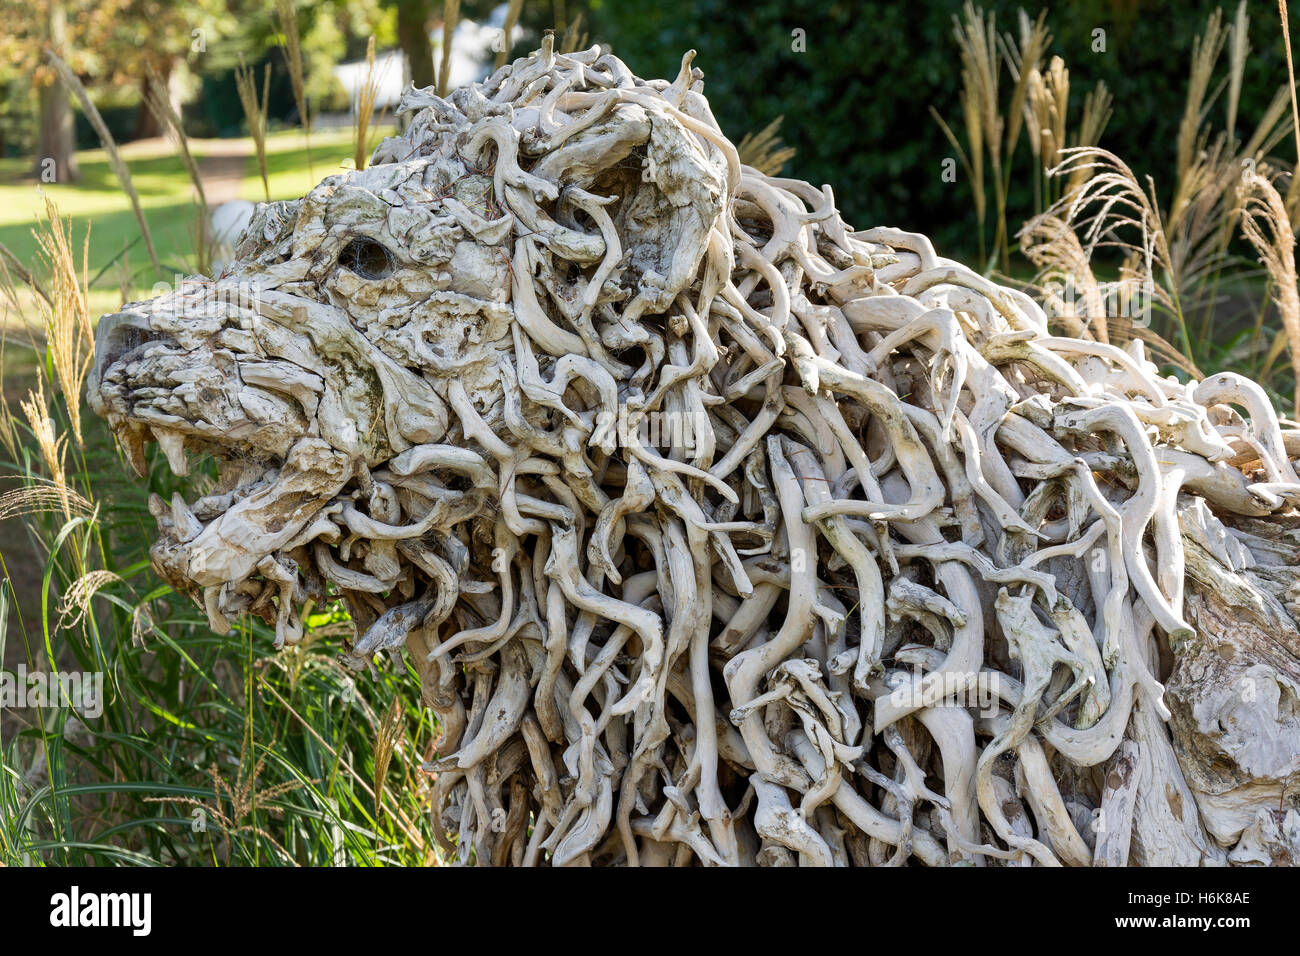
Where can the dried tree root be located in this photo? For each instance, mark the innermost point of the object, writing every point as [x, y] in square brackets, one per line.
[718, 532]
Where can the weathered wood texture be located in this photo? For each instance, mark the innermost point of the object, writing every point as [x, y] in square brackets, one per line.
[719, 532]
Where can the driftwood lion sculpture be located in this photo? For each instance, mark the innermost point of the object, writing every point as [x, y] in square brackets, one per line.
[717, 531]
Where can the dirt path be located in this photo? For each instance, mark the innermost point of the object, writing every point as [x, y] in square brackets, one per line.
[222, 168]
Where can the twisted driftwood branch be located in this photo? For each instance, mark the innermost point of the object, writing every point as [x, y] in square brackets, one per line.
[717, 531]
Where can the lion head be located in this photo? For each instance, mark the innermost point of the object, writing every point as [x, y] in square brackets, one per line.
[506, 242]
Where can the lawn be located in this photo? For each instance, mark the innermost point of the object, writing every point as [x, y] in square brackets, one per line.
[96, 202]
[291, 171]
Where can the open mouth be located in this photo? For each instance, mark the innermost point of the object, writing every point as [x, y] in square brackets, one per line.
[274, 536]
[308, 506]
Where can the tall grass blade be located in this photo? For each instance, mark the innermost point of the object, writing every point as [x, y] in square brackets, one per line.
[255, 113]
[110, 147]
[287, 13]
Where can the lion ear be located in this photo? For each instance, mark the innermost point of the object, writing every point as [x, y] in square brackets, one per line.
[269, 230]
[669, 190]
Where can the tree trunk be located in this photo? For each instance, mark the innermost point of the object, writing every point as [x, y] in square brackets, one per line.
[413, 35]
[56, 159]
[146, 124]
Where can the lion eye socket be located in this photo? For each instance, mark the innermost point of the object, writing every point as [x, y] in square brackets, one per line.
[367, 258]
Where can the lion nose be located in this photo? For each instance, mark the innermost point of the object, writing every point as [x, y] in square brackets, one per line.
[118, 334]
[115, 336]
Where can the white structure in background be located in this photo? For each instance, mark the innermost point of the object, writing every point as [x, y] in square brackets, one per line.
[227, 224]
[390, 72]
[473, 49]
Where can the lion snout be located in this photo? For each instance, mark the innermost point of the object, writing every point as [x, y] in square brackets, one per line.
[116, 336]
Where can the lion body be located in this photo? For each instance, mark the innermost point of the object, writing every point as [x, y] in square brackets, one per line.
[890, 531]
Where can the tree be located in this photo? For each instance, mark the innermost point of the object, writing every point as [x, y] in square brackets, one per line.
[155, 34]
[110, 44]
[413, 18]
[56, 155]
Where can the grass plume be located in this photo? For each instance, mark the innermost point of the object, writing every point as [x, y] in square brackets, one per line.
[764, 150]
[1267, 227]
[53, 448]
[980, 71]
[255, 113]
[390, 731]
[364, 113]
[66, 316]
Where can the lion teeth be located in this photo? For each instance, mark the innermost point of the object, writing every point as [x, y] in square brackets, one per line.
[173, 446]
[132, 442]
[217, 620]
[187, 526]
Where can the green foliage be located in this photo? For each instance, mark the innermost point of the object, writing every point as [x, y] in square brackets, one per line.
[211, 749]
[17, 116]
[855, 102]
